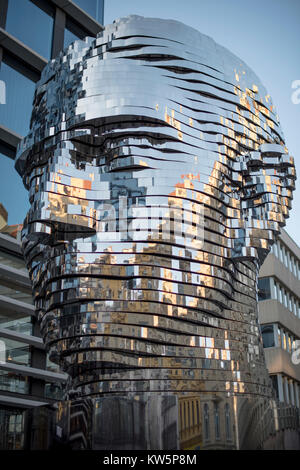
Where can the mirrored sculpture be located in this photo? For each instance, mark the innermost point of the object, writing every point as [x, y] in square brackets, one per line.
[158, 179]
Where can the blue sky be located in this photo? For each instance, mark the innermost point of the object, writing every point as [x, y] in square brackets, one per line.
[263, 33]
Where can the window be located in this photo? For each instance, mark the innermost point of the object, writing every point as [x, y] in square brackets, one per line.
[264, 289]
[31, 25]
[290, 341]
[15, 294]
[279, 336]
[290, 302]
[19, 94]
[284, 342]
[267, 332]
[17, 352]
[280, 295]
[51, 366]
[12, 261]
[206, 422]
[286, 390]
[53, 390]
[294, 306]
[294, 266]
[21, 325]
[72, 32]
[197, 415]
[275, 385]
[93, 7]
[12, 429]
[286, 258]
[276, 289]
[285, 298]
[217, 422]
[280, 252]
[227, 422]
[69, 37]
[11, 382]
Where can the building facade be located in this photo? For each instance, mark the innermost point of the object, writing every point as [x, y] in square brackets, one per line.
[31, 33]
[279, 316]
[27, 377]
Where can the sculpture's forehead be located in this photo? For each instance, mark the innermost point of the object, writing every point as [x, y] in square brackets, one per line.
[161, 69]
[126, 36]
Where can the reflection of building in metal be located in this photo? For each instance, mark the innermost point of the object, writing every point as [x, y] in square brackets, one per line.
[156, 112]
[190, 431]
[27, 377]
[279, 316]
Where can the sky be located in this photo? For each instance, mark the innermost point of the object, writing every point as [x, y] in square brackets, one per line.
[263, 33]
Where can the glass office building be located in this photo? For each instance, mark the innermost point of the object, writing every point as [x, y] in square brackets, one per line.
[31, 33]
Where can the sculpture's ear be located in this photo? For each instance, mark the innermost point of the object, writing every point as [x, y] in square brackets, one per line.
[264, 182]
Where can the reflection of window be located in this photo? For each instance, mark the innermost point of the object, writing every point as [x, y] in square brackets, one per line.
[21, 16]
[217, 421]
[19, 94]
[267, 332]
[93, 7]
[206, 422]
[72, 32]
[227, 422]
[69, 37]
[264, 290]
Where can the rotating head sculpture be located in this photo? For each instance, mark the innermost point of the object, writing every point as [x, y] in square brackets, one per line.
[158, 179]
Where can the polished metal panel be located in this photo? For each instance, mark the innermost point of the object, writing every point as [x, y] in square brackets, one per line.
[158, 179]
